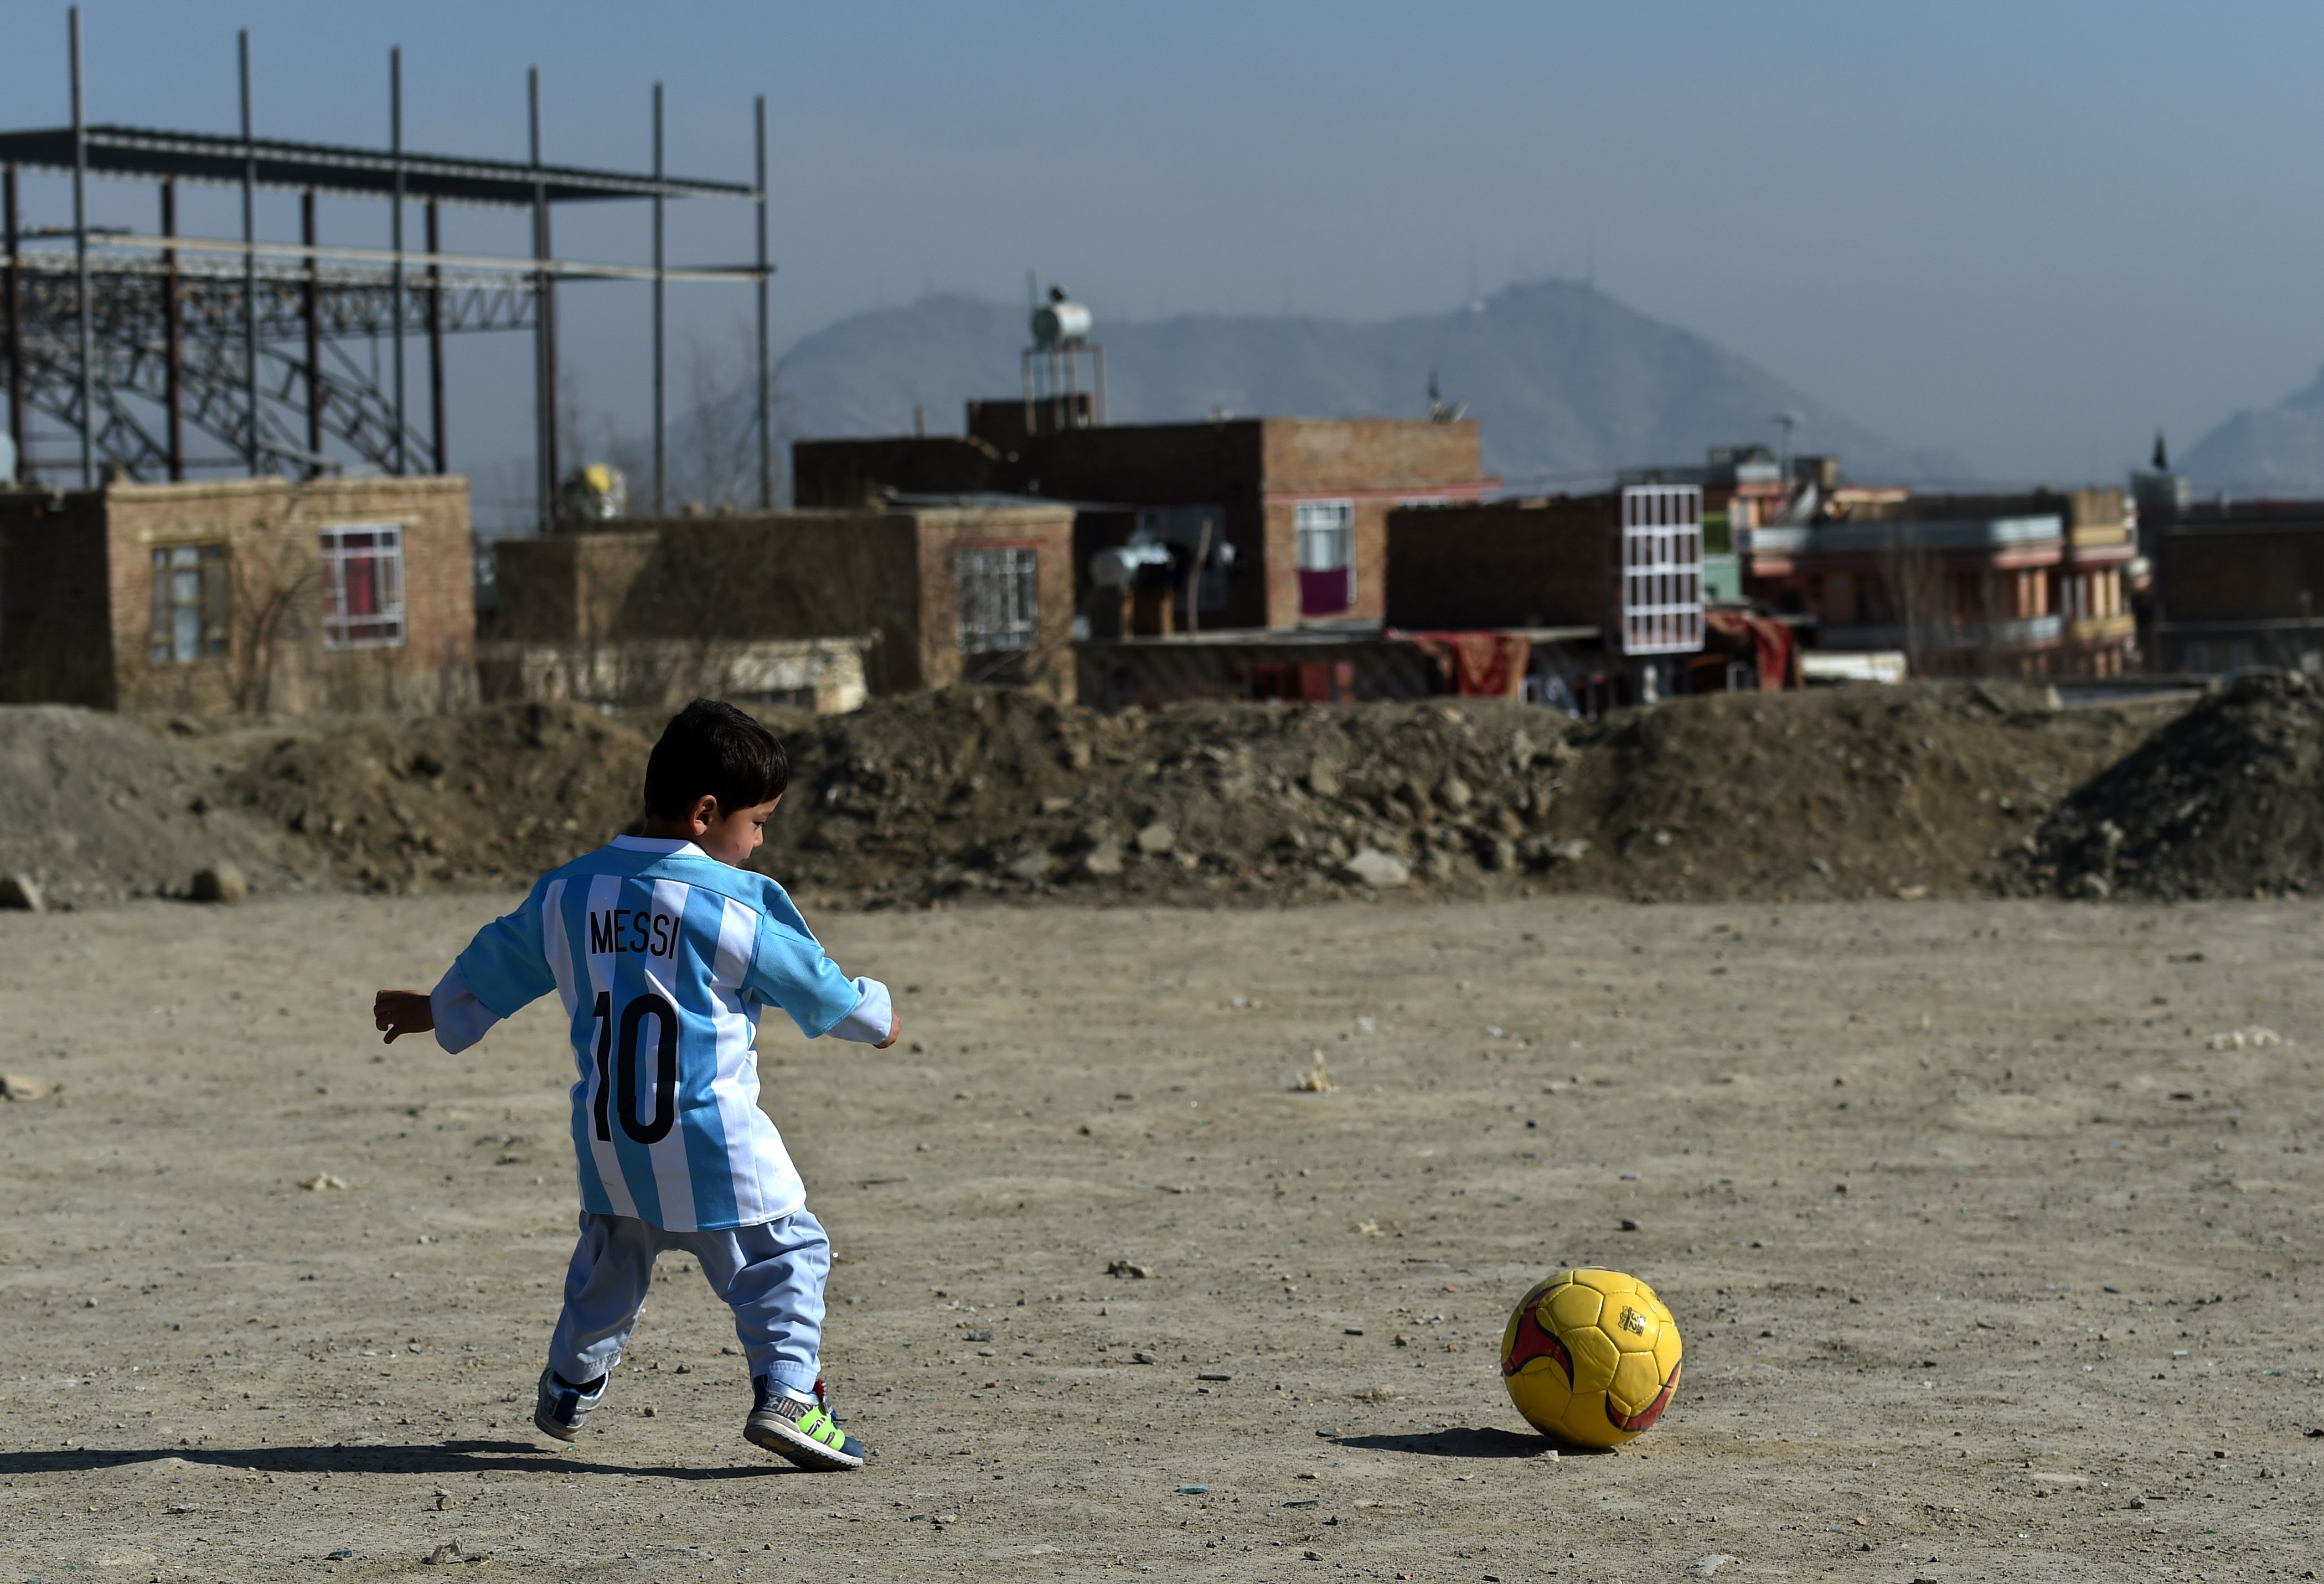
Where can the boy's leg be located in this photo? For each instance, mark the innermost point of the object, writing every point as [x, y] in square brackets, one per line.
[771, 1274]
[605, 1287]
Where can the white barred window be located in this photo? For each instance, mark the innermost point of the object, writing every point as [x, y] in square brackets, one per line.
[1660, 595]
[1326, 532]
[1000, 604]
[363, 585]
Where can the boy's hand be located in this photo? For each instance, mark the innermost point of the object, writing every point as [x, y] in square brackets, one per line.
[398, 1012]
[894, 1027]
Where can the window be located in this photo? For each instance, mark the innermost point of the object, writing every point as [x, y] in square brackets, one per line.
[362, 586]
[188, 603]
[999, 607]
[1662, 569]
[1324, 552]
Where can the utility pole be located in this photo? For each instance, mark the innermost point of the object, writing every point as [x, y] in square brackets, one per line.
[80, 263]
[766, 413]
[249, 254]
[395, 237]
[660, 362]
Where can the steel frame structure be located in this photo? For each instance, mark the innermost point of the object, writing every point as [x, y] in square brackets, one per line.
[128, 338]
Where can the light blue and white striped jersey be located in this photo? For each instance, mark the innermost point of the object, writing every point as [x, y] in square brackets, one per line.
[663, 957]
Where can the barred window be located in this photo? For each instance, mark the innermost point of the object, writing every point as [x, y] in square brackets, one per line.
[1323, 556]
[1000, 608]
[1326, 532]
[189, 603]
[363, 585]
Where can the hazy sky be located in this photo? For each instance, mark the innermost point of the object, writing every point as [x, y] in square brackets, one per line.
[2030, 232]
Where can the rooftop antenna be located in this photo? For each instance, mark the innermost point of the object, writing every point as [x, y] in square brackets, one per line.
[2161, 453]
[1441, 411]
[1787, 420]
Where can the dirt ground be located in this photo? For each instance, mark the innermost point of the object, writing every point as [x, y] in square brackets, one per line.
[1989, 1264]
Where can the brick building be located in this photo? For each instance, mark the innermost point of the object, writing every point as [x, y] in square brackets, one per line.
[780, 604]
[1290, 515]
[2238, 584]
[2028, 584]
[252, 594]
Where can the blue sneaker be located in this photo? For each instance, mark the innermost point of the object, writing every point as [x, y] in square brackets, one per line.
[560, 1409]
[804, 1432]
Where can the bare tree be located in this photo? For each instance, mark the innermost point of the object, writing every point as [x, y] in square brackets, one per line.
[717, 459]
[1915, 593]
[268, 592]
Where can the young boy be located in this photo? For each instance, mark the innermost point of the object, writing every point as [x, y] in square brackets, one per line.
[663, 950]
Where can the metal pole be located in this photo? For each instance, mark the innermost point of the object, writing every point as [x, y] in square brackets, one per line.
[660, 361]
[544, 360]
[14, 328]
[435, 341]
[313, 310]
[81, 265]
[249, 255]
[395, 145]
[173, 341]
[766, 406]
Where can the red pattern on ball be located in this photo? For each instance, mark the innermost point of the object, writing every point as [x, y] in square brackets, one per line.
[1644, 1418]
[1534, 1342]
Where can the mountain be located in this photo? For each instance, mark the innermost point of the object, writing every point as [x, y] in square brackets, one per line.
[2264, 451]
[1565, 380]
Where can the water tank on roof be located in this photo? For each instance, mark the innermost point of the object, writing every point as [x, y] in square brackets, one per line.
[1060, 322]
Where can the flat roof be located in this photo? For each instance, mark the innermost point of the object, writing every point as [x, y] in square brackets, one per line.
[1323, 636]
[218, 161]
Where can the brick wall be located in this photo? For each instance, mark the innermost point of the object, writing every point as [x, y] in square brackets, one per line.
[844, 474]
[789, 575]
[78, 583]
[276, 660]
[54, 620]
[2257, 573]
[942, 535]
[1369, 454]
[1238, 465]
[1506, 564]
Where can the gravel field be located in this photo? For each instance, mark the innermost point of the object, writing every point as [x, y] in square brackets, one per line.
[1989, 1225]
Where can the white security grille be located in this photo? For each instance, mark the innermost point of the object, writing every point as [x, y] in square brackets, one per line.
[1662, 569]
[363, 585]
[999, 607]
[1325, 534]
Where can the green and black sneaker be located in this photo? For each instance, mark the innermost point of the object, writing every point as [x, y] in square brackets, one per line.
[805, 1433]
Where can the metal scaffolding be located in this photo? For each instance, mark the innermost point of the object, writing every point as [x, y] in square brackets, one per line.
[129, 339]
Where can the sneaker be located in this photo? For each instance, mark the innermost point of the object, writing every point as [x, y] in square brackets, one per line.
[559, 1409]
[804, 1432]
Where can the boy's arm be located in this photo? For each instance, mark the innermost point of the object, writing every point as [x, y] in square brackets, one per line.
[504, 969]
[788, 970]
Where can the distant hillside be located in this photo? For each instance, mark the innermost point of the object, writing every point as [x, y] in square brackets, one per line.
[1566, 379]
[2264, 451]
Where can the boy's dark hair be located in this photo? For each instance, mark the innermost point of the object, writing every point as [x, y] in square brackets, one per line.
[715, 748]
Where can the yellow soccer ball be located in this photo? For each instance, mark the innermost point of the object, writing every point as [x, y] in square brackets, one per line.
[1591, 1357]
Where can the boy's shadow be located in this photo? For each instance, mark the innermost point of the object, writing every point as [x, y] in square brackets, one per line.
[451, 1457]
[1462, 1442]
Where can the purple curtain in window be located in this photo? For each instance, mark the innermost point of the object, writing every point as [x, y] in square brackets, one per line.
[1327, 592]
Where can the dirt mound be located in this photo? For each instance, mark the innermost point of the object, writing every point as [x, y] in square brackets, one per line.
[2227, 800]
[490, 797]
[96, 808]
[979, 792]
[1910, 789]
